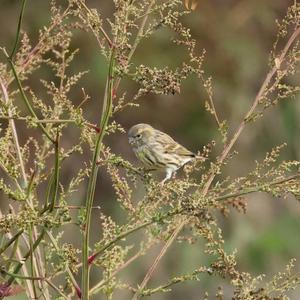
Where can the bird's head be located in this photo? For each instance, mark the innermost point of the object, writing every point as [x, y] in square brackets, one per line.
[139, 134]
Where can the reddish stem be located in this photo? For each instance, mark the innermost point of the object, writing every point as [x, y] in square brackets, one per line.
[96, 128]
[114, 93]
[92, 258]
[78, 291]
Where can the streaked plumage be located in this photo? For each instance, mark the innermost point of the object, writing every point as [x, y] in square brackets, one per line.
[157, 150]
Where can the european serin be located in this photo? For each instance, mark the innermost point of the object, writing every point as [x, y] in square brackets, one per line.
[157, 150]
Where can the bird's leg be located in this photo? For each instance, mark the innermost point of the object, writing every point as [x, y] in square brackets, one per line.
[169, 173]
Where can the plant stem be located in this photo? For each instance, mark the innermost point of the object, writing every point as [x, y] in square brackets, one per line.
[157, 259]
[31, 259]
[14, 133]
[18, 30]
[259, 188]
[140, 31]
[118, 238]
[56, 289]
[56, 175]
[55, 121]
[107, 108]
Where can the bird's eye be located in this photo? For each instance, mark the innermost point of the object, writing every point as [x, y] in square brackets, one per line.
[138, 135]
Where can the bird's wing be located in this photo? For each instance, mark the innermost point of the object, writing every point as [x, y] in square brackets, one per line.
[170, 146]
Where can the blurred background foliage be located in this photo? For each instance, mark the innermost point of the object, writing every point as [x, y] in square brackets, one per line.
[237, 36]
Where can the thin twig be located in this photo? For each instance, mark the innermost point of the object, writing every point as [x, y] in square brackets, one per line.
[10, 241]
[105, 35]
[118, 238]
[18, 30]
[140, 31]
[75, 206]
[157, 260]
[210, 98]
[54, 121]
[259, 188]
[18, 149]
[14, 132]
[32, 260]
[56, 289]
[56, 175]
[50, 121]
[95, 289]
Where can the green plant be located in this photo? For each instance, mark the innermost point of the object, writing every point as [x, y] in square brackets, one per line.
[33, 252]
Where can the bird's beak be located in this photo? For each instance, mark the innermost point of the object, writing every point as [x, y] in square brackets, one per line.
[130, 139]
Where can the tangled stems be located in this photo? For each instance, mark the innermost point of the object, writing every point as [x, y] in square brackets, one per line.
[27, 103]
[107, 109]
[49, 208]
[18, 267]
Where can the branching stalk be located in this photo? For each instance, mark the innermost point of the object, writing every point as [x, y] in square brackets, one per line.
[107, 108]
[26, 101]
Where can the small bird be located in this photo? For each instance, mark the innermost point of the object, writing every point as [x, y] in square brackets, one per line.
[157, 150]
